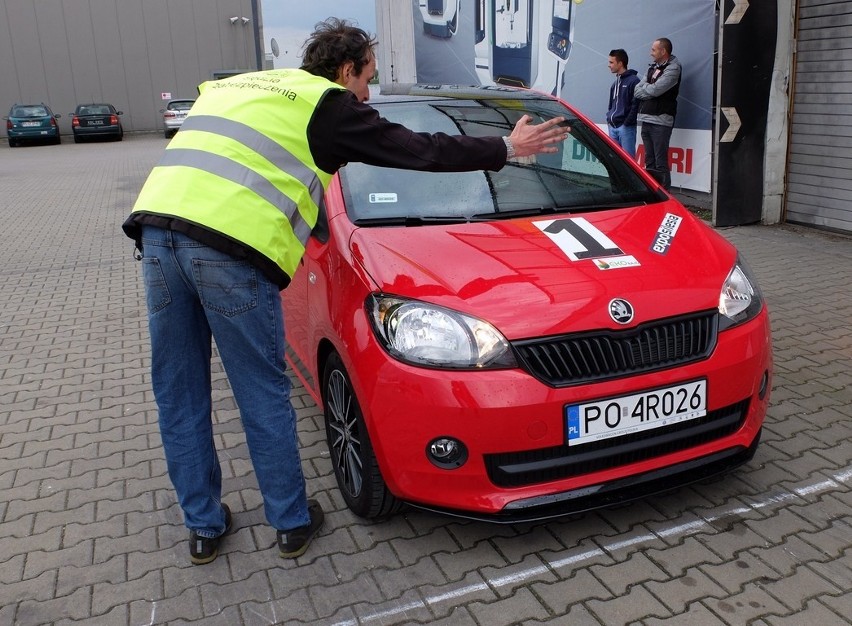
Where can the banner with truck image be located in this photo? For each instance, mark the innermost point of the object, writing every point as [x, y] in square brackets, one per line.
[562, 47]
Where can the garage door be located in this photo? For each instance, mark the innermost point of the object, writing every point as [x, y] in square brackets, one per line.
[819, 175]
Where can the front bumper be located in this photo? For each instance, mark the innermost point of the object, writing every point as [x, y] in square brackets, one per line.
[618, 491]
[508, 413]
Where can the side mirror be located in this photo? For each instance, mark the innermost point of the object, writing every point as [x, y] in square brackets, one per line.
[57, 116]
[119, 112]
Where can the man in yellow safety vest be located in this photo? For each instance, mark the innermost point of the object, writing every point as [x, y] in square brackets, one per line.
[221, 224]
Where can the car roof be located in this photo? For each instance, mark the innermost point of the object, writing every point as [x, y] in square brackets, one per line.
[412, 92]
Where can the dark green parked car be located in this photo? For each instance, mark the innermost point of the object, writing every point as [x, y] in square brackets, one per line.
[32, 122]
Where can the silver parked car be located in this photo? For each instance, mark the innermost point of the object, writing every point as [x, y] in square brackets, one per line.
[174, 114]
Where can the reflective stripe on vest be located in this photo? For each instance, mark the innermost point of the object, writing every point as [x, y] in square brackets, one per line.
[228, 169]
[242, 175]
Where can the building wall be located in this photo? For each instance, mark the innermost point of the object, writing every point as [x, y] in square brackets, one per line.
[819, 167]
[126, 52]
[395, 52]
[777, 126]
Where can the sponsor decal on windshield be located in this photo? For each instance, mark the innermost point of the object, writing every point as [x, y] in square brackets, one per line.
[382, 197]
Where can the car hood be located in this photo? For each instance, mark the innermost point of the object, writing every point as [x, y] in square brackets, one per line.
[548, 275]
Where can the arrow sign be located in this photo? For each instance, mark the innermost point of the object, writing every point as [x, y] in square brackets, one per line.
[740, 7]
[733, 124]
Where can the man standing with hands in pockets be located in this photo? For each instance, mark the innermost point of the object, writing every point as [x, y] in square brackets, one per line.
[623, 107]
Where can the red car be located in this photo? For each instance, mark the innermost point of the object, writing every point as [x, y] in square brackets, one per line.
[523, 344]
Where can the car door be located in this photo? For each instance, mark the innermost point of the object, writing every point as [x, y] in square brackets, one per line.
[303, 301]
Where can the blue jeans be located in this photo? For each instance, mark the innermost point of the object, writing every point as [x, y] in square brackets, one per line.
[656, 138]
[624, 136]
[193, 293]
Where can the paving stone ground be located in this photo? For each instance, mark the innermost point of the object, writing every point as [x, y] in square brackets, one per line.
[90, 532]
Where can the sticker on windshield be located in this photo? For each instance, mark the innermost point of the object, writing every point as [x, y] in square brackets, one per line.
[579, 239]
[666, 233]
[382, 197]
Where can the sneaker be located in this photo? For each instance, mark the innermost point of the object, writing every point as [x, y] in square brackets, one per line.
[293, 543]
[203, 550]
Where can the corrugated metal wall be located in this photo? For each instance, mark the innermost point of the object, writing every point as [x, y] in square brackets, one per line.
[126, 52]
[819, 168]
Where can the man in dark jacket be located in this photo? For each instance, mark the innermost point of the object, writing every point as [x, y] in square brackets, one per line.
[658, 92]
[623, 107]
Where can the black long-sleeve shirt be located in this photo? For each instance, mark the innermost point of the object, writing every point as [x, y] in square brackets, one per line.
[344, 129]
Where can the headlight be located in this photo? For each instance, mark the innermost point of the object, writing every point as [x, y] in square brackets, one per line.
[740, 299]
[424, 334]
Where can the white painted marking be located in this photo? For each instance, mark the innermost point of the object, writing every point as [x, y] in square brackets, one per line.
[733, 124]
[684, 529]
[740, 7]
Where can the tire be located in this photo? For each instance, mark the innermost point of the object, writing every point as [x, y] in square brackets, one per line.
[58, 140]
[166, 134]
[355, 467]
[13, 143]
[77, 139]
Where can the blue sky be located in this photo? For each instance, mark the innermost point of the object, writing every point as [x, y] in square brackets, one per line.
[291, 26]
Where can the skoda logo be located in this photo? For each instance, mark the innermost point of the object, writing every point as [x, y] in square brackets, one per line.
[621, 311]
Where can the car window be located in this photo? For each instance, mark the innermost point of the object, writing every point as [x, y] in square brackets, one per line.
[29, 111]
[585, 173]
[181, 106]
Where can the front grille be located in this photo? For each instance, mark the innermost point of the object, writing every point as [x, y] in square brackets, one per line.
[516, 469]
[600, 355]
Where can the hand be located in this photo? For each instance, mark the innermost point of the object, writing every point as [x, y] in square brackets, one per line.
[529, 139]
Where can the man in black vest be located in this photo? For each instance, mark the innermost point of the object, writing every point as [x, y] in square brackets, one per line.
[657, 92]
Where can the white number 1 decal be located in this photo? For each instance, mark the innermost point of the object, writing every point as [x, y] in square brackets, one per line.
[579, 239]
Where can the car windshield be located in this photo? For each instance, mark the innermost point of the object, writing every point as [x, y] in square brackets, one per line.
[181, 106]
[585, 174]
[29, 111]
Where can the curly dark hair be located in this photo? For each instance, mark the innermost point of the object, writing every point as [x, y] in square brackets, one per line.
[333, 43]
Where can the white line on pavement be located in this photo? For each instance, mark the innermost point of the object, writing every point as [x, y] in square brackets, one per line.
[836, 481]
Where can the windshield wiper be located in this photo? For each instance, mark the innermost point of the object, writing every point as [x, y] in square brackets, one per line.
[527, 212]
[435, 220]
[611, 205]
[563, 210]
[412, 220]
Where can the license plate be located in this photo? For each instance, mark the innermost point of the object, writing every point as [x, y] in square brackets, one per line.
[625, 415]
[95, 122]
[30, 124]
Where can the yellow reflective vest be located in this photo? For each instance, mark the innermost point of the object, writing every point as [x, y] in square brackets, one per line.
[241, 165]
